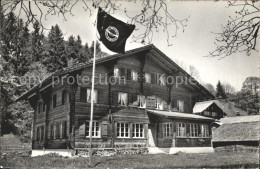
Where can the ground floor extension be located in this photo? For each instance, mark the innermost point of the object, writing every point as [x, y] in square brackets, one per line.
[130, 127]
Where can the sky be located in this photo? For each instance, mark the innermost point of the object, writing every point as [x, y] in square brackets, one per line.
[189, 47]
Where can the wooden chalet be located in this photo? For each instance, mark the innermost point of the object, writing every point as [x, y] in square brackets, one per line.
[144, 111]
[210, 108]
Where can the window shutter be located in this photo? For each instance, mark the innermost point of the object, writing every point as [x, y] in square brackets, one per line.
[57, 130]
[139, 76]
[128, 75]
[104, 129]
[64, 129]
[122, 72]
[42, 128]
[165, 105]
[134, 99]
[130, 99]
[153, 78]
[83, 95]
[145, 130]
[52, 131]
[174, 103]
[160, 130]
[115, 98]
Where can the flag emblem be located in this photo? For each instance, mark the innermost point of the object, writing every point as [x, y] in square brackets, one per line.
[113, 33]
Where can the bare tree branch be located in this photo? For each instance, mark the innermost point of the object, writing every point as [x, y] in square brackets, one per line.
[240, 34]
[153, 18]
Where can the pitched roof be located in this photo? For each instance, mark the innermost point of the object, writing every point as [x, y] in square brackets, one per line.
[179, 115]
[240, 131]
[151, 48]
[240, 119]
[201, 106]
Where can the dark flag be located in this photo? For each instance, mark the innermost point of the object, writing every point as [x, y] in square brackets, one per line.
[113, 32]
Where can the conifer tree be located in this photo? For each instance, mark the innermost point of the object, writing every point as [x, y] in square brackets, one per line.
[55, 56]
[37, 42]
[220, 91]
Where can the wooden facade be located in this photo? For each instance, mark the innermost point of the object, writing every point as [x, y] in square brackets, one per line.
[122, 105]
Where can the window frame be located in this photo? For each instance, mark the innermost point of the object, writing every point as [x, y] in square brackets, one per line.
[94, 126]
[118, 132]
[179, 126]
[147, 75]
[116, 72]
[205, 131]
[134, 75]
[178, 105]
[167, 129]
[194, 130]
[139, 101]
[95, 100]
[159, 106]
[139, 132]
[54, 100]
[119, 101]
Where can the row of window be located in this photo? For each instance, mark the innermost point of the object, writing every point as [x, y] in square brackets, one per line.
[142, 102]
[42, 106]
[57, 130]
[85, 96]
[186, 130]
[213, 114]
[122, 130]
[134, 75]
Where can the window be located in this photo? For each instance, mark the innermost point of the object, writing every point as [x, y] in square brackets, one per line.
[206, 113]
[123, 130]
[134, 75]
[194, 132]
[141, 101]
[159, 103]
[153, 78]
[95, 129]
[214, 114]
[61, 130]
[181, 129]
[40, 133]
[39, 107]
[138, 131]
[204, 130]
[116, 72]
[54, 100]
[147, 77]
[167, 129]
[162, 80]
[122, 99]
[83, 96]
[53, 131]
[95, 97]
[180, 105]
[64, 97]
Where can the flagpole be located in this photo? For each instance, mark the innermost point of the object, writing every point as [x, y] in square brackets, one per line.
[92, 94]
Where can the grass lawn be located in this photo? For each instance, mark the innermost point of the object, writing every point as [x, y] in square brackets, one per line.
[213, 160]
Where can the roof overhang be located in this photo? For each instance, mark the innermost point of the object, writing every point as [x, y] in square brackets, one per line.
[179, 115]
